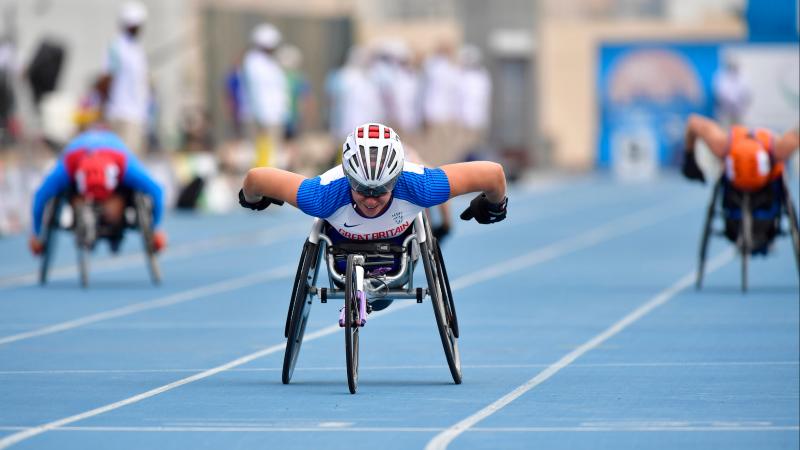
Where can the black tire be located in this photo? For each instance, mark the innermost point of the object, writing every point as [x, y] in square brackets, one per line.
[85, 232]
[301, 306]
[707, 227]
[49, 228]
[351, 324]
[144, 222]
[444, 281]
[449, 339]
[297, 279]
[746, 237]
[794, 228]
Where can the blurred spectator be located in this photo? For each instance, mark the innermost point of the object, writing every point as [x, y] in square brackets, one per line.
[360, 97]
[8, 72]
[127, 72]
[267, 95]
[474, 94]
[732, 94]
[406, 94]
[90, 107]
[439, 106]
[234, 98]
[301, 102]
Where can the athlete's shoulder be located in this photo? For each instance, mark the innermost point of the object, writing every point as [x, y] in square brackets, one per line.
[97, 139]
[322, 195]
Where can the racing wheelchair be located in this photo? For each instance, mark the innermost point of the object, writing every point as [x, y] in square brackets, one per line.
[373, 270]
[88, 227]
[752, 220]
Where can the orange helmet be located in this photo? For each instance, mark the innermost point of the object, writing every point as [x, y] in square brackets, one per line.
[97, 176]
[748, 165]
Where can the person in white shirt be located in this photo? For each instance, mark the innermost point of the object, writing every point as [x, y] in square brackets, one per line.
[439, 105]
[474, 94]
[359, 95]
[127, 76]
[732, 94]
[267, 94]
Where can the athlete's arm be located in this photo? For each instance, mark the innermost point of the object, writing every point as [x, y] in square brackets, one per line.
[138, 179]
[786, 144]
[477, 176]
[709, 131]
[273, 183]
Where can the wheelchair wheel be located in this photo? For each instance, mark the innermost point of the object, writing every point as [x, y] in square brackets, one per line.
[444, 281]
[712, 207]
[297, 279]
[144, 222]
[50, 226]
[351, 324]
[300, 307]
[746, 237]
[448, 337]
[793, 224]
[85, 235]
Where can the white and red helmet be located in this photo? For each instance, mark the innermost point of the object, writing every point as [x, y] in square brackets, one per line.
[372, 159]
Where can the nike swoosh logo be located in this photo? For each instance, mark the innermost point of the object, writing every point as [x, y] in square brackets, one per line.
[351, 226]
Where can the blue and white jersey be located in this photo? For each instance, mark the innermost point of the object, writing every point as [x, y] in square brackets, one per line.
[328, 197]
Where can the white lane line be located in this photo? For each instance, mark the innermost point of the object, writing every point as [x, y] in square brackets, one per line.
[345, 429]
[410, 367]
[442, 440]
[169, 300]
[617, 227]
[182, 251]
[637, 220]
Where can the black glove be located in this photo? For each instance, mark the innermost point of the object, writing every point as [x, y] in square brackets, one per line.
[440, 231]
[259, 205]
[690, 169]
[485, 211]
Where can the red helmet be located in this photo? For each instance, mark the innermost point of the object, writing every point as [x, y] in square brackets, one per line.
[97, 176]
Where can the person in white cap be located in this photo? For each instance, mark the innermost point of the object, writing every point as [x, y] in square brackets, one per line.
[127, 72]
[475, 95]
[267, 95]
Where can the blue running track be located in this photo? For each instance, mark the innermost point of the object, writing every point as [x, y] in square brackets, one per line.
[580, 329]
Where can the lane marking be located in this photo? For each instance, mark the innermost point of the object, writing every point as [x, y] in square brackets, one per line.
[637, 220]
[182, 251]
[443, 439]
[169, 300]
[342, 427]
[408, 367]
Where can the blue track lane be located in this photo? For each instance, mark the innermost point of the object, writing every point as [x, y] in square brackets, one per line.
[704, 369]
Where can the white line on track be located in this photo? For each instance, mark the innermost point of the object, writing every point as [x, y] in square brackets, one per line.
[623, 225]
[182, 251]
[169, 300]
[329, 429]
[443, 439]
[418, 367]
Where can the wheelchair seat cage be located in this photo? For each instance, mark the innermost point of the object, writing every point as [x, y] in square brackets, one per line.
[373, 271]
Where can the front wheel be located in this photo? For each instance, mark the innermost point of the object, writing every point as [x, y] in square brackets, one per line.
[144, 222]
[352, 323]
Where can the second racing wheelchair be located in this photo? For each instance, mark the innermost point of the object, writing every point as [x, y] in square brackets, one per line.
[88, 228]
[362, 273]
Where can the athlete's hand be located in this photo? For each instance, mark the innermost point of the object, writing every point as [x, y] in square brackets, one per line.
[484, 211]
[159, 241]
[36, 246]
[690, 169]
[259, 205]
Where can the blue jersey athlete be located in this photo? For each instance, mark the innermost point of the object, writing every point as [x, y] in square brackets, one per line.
[97, 166]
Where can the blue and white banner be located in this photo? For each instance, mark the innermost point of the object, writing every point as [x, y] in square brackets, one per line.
[645, 93]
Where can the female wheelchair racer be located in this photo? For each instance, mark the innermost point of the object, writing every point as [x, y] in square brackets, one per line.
[370, 208]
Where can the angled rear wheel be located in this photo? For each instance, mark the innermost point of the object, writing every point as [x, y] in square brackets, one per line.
[300, 308]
